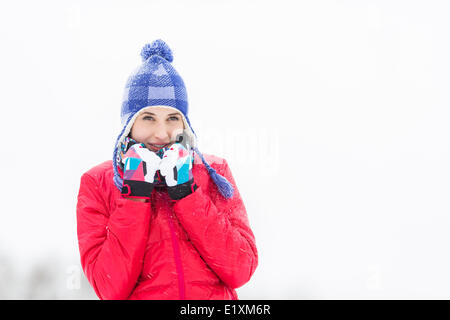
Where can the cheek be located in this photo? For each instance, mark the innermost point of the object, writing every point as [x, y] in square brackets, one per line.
[178, 126]
[139, 132]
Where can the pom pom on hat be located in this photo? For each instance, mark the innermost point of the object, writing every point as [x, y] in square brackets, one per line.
[158, 47]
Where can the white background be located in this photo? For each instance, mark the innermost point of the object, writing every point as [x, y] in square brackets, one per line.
[333, 115]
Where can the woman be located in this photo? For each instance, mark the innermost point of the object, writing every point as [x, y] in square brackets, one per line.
[162, 221]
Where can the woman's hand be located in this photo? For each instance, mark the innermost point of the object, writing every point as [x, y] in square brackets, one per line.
[140, 166]
[176, 167]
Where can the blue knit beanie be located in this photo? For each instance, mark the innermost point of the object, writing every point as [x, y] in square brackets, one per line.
[156, 83]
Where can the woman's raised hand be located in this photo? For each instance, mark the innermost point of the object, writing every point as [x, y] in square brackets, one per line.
[176, 167]
[140, 166]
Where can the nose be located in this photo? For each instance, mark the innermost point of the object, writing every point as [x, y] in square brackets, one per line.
[161, 134]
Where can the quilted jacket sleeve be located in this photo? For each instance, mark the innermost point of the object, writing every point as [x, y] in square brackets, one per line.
[112, 244]
[220, 231]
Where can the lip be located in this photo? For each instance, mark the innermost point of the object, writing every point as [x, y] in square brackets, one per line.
[155, 148]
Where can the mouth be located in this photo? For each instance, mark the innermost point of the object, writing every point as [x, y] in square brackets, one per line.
[156, 147]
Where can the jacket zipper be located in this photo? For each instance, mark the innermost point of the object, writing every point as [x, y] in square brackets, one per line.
[176, 253]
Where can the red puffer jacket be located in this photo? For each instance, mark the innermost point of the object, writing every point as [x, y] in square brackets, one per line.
[198, 247]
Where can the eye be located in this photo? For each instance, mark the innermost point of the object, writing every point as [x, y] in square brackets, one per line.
[174, 118]
[148, 118]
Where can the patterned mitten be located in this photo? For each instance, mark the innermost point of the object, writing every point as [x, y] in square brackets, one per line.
[140, 165]
[176, 167]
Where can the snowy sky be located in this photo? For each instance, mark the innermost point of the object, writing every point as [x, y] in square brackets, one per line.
[333, 116]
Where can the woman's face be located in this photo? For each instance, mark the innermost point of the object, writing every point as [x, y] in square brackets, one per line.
[157, 127]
